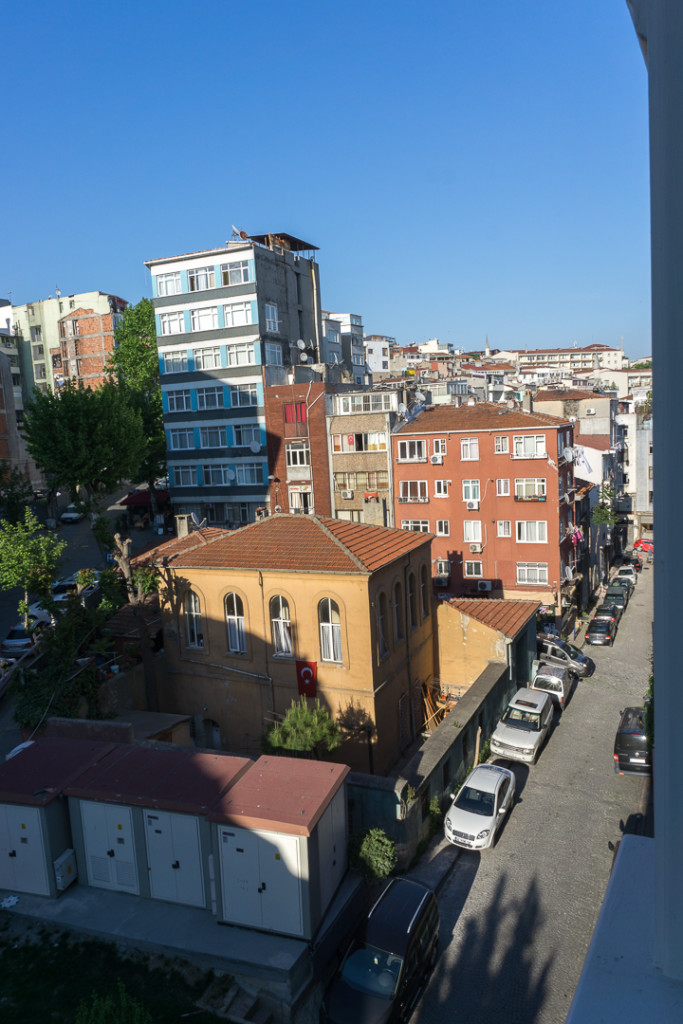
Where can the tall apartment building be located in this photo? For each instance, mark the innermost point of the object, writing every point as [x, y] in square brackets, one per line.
[352, 343]
[495, 488]
[570, 360]
[86, 339]
[230, 322]
[378, 352]
[38, 335]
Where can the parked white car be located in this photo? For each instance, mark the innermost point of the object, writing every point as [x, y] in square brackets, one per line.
[71, 514]
[479, 807]
[627, 572]
[521, 732]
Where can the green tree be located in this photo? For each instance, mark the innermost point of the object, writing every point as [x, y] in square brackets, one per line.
[134, 364]
[303, 730]
[85, 439]
[373, 853]
[603, 513]
[15, 492]
[107, 1010]
[29, 558]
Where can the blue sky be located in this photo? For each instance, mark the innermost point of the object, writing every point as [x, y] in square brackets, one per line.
[466, 168]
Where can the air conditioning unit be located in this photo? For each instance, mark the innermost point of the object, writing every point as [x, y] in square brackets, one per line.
[472, 506]
[436, 460]
[347, 495]
[476, 549]
[590, 412]
[484, 585]
[441, 581]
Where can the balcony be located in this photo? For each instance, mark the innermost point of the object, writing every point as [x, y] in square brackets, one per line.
[530, 497]
[416, 501]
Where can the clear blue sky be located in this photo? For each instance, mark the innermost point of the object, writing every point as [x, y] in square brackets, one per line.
[466, 168]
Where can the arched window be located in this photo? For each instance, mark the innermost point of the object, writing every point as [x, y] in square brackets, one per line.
[281, 626]
[424, 590]
[330, 630]
[193, 620]
[234, 617]
[382, 626]
[412, 610]
[398, 613]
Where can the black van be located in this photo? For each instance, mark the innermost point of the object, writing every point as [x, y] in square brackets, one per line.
[632, 754]
[386, 966]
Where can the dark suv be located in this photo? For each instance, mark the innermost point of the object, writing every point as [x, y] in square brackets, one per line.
[632, 754]
[384, 971]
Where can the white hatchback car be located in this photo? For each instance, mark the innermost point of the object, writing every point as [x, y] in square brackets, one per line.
[479, 807]
[524, 726]
[71, 514]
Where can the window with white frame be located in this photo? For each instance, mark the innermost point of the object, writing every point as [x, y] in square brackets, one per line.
[201, 278]
[241, 355]
[246, 434]
[470, 490]
[473, 569]
[248, 473]
[234, 620]
[443, 528]
[298, 453]
[210, 398]
[175, 362]
[504, 528]
[281, 627]
[532, 572]
[530, 487]
[212, 437]
[237, 314]
[219, 475]
[185, 476]
[172, 323]
[374, 441]
[370, 402]
[416, 525]
[329, 622]
[529, 446]
[439, 446]
[412, 451]
[273, 354]
[168, 284]
[235, 273]
[532, 532]
[207, 358]
[181, 438]
[413, 490]
[272, 323]
[472, 530]
[501, 444]
[205, 319]
[503, 488]
[441, 488]
[193, 620]
[443, 567]
[178, 401]
[244, 394]
[469, 449]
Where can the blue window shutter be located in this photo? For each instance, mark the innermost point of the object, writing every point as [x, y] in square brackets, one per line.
[197, 439]
[188, 321]
[190, 360]
[193, 399]
[157, 321]
[155, 291]
[161, 363]
[184, 283]
[254, 311]
[200, 476]
[224, 356]
[226, 396]
[164, 402]
[252, 270]
[221, 315]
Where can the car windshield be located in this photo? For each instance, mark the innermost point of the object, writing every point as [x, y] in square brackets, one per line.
[599, 627]
[18, 633]
[569, 649]
[530, 721]
[475, 801]
[60, 589]
[371, 970]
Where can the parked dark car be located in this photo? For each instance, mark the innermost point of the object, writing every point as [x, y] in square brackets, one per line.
[385, 967]
[617, 595]
[555, 651]
[19, 640]
[609, 612]
[600, 632]
[633, 560]
[632, 754]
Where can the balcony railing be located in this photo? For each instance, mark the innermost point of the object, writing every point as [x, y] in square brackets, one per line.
[407, 500]
[530, 497]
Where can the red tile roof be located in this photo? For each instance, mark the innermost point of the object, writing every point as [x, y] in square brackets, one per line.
[567, 395]
[297, 543]
[601, 442]
[508, 617]
[482, 416]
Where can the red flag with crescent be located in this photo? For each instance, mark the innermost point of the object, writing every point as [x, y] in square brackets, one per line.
[307, 677]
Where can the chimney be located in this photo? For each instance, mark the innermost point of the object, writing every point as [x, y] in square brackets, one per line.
[182, 526]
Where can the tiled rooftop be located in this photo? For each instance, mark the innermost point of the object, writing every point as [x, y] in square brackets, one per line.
[508, 617]
[482, 416]
[600, 442]
[291, 542]
[567, 395]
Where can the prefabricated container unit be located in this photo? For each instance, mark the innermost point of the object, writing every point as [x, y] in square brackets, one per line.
[138, 821]
[281, 842]
[36, 847]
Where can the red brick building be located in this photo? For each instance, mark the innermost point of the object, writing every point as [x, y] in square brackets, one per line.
[493, 486]
[85, 340]
[298, 463]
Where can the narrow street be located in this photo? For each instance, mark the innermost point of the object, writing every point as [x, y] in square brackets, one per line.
[517, 920]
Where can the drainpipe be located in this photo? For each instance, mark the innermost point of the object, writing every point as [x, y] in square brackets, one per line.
[265, 642]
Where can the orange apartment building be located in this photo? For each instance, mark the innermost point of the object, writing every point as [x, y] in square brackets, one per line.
[493, 486]
[86, 339]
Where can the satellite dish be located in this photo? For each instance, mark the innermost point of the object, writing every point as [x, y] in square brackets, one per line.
[568, 454]
[230, 473]
[419, 396]
[193, 517]
[568, 572]
[244, 236]
[278, 508]
[254, 446]
[301, 344]
[402, 408]
[303, 358]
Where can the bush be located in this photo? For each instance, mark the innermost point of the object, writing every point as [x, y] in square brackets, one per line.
[373, 853]
[105, 1010]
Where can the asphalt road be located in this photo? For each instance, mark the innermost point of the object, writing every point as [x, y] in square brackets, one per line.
[517, 920]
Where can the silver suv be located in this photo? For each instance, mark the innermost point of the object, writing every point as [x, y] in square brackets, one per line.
[524, 726]
[557, 682]
[555, 651]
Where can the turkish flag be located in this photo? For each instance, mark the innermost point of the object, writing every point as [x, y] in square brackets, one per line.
[306, 677]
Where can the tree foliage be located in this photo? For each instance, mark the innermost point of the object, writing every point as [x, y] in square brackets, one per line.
[84, 438]
[304, 729]
[29, 558]
[134, 364]
[603, 513]
[373, 853]
[15, 492]
[107, 1010]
